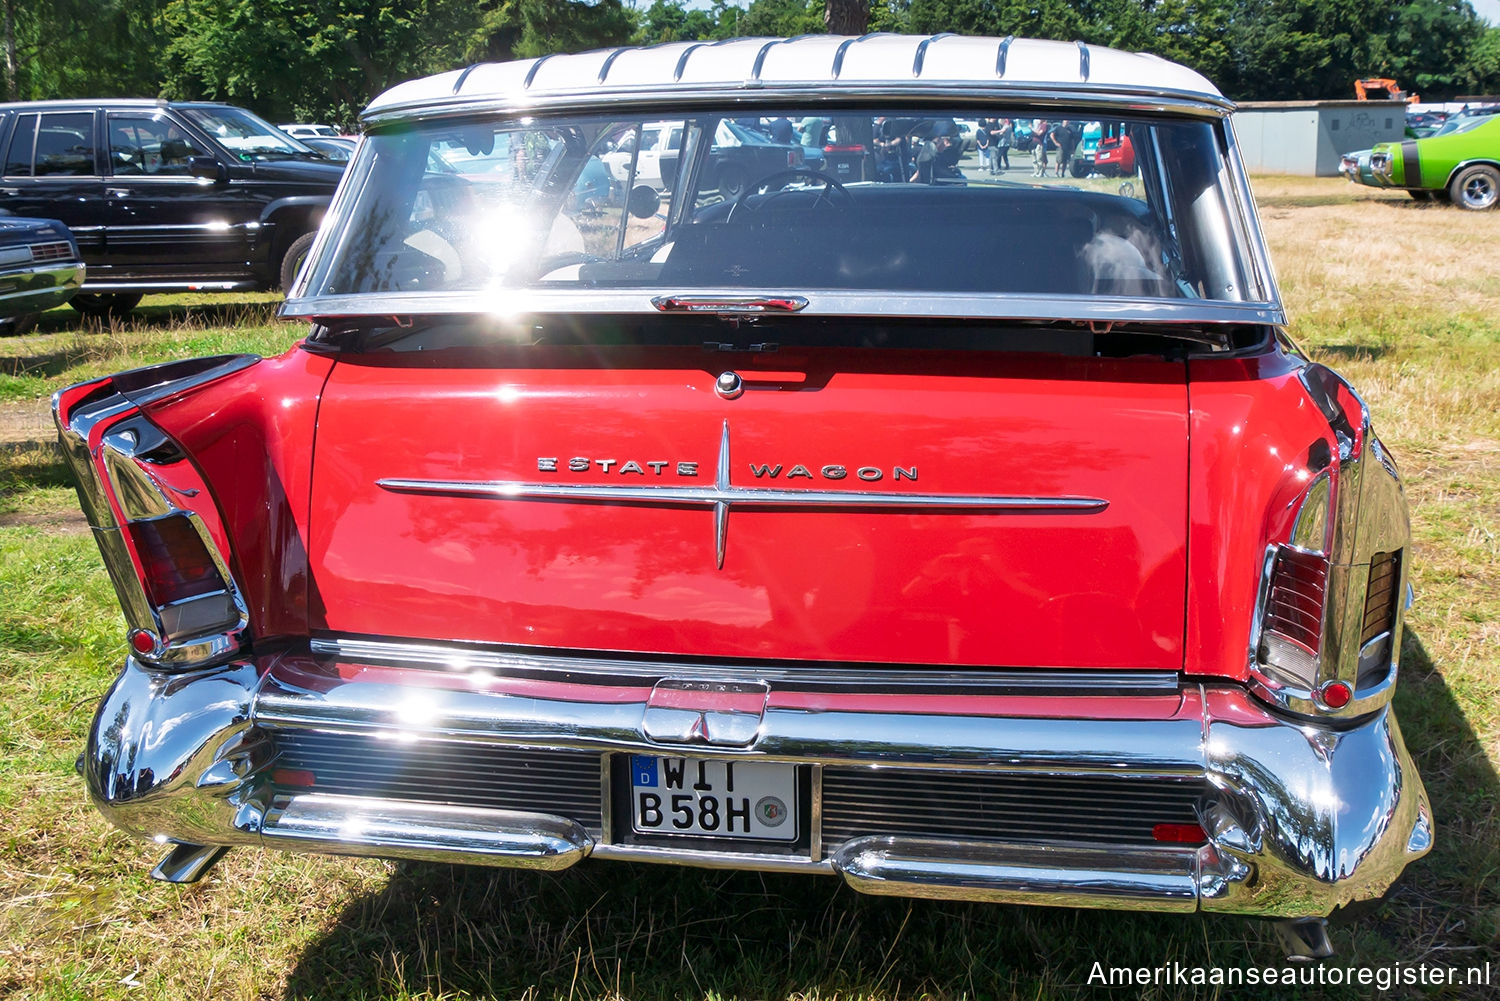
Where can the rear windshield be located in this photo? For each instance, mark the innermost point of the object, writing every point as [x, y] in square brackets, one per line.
[977, 201]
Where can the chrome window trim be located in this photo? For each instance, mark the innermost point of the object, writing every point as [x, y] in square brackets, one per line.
[503, 303]
[1081, 95]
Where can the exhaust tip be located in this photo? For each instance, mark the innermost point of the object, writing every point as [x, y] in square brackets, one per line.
[188, 863]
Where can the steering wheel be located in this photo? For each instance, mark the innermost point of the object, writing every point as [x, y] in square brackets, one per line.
[830, 184]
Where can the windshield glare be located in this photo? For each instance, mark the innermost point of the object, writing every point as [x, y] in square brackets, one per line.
[245, 135]
[900, 200]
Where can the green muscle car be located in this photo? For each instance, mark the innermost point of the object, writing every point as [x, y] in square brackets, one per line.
[1461, 164]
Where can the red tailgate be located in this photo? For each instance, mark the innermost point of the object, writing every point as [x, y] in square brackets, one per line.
[466, 548]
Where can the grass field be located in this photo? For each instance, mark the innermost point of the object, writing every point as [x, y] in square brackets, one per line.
[1402, 297]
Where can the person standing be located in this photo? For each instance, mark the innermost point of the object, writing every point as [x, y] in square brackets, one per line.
[1039, 148]
[1064, 139]
[984, 142]
[1005, 134]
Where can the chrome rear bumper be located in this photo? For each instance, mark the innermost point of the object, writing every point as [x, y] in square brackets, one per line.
[1300, 819]
[39, 287]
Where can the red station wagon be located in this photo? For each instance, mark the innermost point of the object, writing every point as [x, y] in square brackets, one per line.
[961, 538]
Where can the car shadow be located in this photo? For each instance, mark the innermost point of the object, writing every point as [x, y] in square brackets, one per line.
[644, 932]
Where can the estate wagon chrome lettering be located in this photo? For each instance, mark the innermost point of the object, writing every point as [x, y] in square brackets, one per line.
[723, 495]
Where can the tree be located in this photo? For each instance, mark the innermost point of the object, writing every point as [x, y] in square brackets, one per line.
[329, 58]
[1426, 45]
[1028, 18]
[71, 48]
[1482, 73]
[846, 17]
[671, 21]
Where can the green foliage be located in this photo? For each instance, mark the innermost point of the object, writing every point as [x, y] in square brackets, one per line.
[1025, 18]
[1482, 75]
[1426, 45]
[328, 58]
[325, 59]
[671, 21]
[80, 48]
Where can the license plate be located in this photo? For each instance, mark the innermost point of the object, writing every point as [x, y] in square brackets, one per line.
[714, 799]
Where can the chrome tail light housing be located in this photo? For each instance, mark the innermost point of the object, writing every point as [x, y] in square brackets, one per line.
[1327, 630]
[153, 516]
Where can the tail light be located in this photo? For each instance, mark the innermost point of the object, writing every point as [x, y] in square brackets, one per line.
[1328, 619]
[154, 518]
[1296, 591]
[794, 157]
[183, 582]
[1293, 624]
[851, 148]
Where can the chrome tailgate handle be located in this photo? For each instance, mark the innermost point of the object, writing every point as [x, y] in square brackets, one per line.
[729, 303]
[711, 713]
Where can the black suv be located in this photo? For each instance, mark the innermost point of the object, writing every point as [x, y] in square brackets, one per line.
[165, 197]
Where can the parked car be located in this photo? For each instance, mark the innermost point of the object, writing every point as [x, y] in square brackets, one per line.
[1424, 123]
[1356, 167]
[310, 131]
[1001, 545]
[335, 148]
[39, 268]
[165, 197]
[1461, 164]
[1115, 156]
[655, 140]
[737, 154]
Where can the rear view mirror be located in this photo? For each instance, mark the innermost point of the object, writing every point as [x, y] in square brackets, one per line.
[207, 167]
[644, 202]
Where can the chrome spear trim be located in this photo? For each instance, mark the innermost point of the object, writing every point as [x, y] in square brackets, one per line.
[723, 496]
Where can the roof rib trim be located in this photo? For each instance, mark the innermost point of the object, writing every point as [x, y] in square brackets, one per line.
[458, 84]
[609, 60]
[1002, 54]
[760, 57]
[682, 60]
[838, 55]
[1083, 61]
[921, 56]
[531, 73]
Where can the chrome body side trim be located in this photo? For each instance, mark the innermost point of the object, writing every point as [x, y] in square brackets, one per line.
[843, 500]
[723, 496]
[461, 658]
[1302, 818]
[125, 285]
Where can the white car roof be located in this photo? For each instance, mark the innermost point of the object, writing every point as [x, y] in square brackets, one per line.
[902, 63]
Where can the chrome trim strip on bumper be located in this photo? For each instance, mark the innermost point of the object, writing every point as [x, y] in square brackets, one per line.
[41, 286]
[1303, 818]
[1161, 880]
[432, 832]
